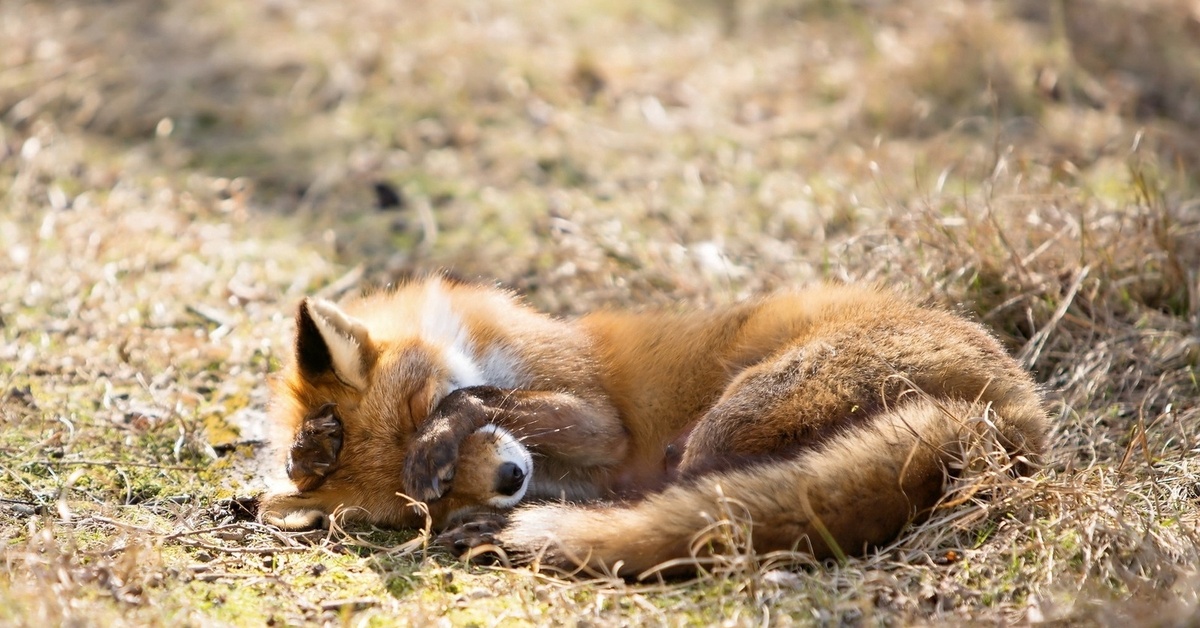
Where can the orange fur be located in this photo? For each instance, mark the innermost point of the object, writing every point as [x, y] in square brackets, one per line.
[833, 415]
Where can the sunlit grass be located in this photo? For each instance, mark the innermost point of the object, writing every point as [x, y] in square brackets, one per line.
[175, 176]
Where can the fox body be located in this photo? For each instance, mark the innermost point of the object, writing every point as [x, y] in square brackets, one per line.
[831, 417]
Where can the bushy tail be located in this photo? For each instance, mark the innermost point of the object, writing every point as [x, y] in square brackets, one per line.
[857, 490]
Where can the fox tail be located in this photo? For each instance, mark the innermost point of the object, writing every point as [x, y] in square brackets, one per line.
[856, 490]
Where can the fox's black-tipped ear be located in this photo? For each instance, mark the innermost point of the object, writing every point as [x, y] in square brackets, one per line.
[312, 354]
[328, 340]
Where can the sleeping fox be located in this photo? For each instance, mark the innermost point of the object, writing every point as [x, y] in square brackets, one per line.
[832, 417]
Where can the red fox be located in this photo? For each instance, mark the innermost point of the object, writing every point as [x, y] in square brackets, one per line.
[831, 416]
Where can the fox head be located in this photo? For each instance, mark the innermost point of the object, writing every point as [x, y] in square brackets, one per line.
[345, 409]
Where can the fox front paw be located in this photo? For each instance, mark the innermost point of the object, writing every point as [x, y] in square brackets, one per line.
[429, 469]
[431, 458]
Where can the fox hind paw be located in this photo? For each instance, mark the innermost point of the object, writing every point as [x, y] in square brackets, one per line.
[479, 534]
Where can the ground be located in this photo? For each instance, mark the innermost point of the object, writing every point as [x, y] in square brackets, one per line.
[176, 176]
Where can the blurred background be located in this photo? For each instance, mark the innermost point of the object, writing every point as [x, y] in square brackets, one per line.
[598, 140]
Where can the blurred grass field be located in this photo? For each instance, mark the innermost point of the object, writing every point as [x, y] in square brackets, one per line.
[176, 176]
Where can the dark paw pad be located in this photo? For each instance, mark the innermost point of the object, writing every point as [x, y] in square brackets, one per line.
[476, 540]
[314, 453]
[430, 470]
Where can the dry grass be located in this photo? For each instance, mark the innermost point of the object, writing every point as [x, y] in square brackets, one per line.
[176, 175]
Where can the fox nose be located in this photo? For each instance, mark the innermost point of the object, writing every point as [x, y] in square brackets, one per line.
[509, 478]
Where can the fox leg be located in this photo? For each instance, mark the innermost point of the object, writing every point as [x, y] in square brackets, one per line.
[556, 425]
[795, 401]
[561, 425]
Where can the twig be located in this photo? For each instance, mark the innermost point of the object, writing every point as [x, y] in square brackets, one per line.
[177, 535]
[225, 549]
[1033, 349]
[342, 284]
[20, 502]
[113, 464]
[215, 575]
[225, 448]
[355, 604]
[211, 315]
[180, 537]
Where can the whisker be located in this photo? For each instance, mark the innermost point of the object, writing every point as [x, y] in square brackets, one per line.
[544, 432]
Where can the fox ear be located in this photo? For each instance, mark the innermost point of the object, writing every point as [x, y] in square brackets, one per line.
[327, 339]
